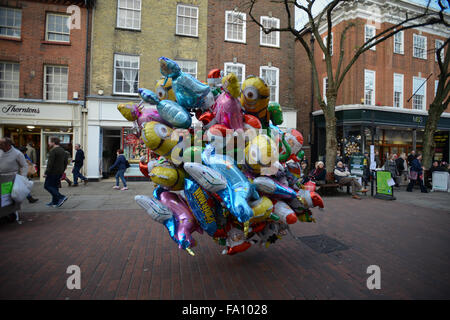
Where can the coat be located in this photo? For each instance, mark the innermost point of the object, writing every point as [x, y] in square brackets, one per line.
[120, 163]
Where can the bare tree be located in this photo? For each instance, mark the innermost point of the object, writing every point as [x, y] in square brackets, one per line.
[336, 72]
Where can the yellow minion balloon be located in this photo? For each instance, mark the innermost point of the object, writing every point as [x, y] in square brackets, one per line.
[260, 152]
[168, 176]
[255, 95]
[165, 92]
[262, 209]
[231, 85]
[158, 137]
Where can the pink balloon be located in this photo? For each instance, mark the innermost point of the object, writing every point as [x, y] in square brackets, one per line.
[147, 115]
[184, 217]
[229, 111]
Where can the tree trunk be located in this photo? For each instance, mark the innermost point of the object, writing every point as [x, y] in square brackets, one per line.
[428, 138]
[331, 141]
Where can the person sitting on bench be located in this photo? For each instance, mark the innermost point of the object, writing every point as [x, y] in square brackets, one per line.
[342, 177]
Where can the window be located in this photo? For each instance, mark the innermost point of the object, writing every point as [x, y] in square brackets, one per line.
[235, 26]
[272, 39]
[438, 44]
[398, 43]
[57, 28]
[237, 68]
[436, 84]
[369, 33]
[55, 83]
[9, 80]
[419, 46]
[369, 87]
[325, 88]
[419, 92]
[398, 90]
[126, 74]
[188, 67]
[10, 22]
[271, 76]
[187, 20]
[331, 44]
[129, 14]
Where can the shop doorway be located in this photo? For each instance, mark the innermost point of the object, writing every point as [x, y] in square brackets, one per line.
[22, 136]
[111, 142]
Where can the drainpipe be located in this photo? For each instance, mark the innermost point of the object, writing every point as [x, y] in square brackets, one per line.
[312, 101]
[85, 110]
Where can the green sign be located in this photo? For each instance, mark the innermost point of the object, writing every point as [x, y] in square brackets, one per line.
[357, 164]
[6, 187]
[382, 183]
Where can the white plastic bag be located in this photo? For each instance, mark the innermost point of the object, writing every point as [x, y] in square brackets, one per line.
[21, 188]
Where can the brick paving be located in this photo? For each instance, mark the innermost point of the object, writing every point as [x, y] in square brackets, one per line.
[123, 254]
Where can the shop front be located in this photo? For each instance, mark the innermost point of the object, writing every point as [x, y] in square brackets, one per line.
[390, 130]
[35, 122]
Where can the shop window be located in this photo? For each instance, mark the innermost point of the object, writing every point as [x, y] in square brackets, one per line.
[187, 20]
[271, 76]
[10, 22]
[9, 80]
[419, 46]
[188, 67]
[438, 44]
[66, 143]
[237, 68]
[369, 33]
[129, 14]
[126, 74]
[271, 39]
[398, 90]
[55, 83]
[369, 87]
[57, 28]
[235, 26]
[419, 91]
[398, 43]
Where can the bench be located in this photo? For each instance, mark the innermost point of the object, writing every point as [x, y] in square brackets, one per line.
[331, 185]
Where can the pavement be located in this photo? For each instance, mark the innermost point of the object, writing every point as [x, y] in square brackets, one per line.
[123, 254]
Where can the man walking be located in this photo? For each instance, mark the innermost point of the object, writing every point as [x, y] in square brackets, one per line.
[78, 163]
[12, 161]
[57, 159]
[31, 152]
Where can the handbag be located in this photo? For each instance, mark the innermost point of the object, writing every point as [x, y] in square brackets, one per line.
[127, 164]
[413, 175]
[31, 169]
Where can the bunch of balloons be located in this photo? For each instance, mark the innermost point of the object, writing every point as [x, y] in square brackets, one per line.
[235, 176]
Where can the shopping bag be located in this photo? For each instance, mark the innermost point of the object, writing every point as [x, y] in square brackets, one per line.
[413, 175]
[21, 188]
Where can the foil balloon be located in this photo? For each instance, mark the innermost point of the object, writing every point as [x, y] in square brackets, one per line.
[276, 114]
[215, 82]
[165, 91]
[255, 98]
[158, 138]
[228, 109]
[262, 209]
[305, 199]
[189, 92]
[273, 188]
[295, 140]
[168, 110]
[285, 212]
[168, 176]
[186, 223]
[236, 242]
[238, 190]
[261, 152]
[207, 177]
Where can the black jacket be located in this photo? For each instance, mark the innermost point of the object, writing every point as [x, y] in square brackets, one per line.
[79, 158]
[57, 161]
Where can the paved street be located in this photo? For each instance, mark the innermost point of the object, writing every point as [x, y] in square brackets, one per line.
[123, 254]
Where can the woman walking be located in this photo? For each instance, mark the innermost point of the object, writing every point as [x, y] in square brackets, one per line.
[416, 174]
[121, 164]
[391, 166]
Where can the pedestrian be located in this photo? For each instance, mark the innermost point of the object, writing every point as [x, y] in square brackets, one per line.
[121, 164]
[64, 176]
[56, 164]
[342, 177]
[78, 164]
[31, 152]
[416, 175]
[411, 157]
[366, 169]
[391, 166]
[304, 169]
[401, 168]
[30, 172]
[377, 159]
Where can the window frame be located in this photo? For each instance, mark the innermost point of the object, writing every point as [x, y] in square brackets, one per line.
[276, 33]
[374, 86]
[424, 101]
[186, 60]
[436, 48]
[47, 31]
[114, 74]
[44, 96]
[324, 88]
[416, 36]
[403, 90]
[436, 84]
[118, 15]
[374, 34]
[18, 81]
[234, 64]
[402, 47]
[244, 26]
[277, 92]
[197, 18]
[12, 27]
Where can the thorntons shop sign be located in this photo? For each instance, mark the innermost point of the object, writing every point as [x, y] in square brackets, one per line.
[13, 109]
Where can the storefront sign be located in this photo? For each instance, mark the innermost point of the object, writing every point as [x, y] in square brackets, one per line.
[14, 109]
[37, 111]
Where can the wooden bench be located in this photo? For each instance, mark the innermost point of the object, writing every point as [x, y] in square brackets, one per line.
[331, 185]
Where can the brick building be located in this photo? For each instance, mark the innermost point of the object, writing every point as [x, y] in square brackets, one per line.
[42, 72]
[128, 38]
[375, 104]
[237, 44]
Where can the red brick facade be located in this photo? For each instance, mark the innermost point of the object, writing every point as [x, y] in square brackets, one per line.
[33, 52]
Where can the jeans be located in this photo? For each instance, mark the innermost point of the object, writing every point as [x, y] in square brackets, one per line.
[120, 174]
[413, 182]
[77, 174]
[51, 184]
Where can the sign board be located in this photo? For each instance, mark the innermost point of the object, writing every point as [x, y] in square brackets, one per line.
[357, 164]
[373, 164]
[384, 186]
[440, 181]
